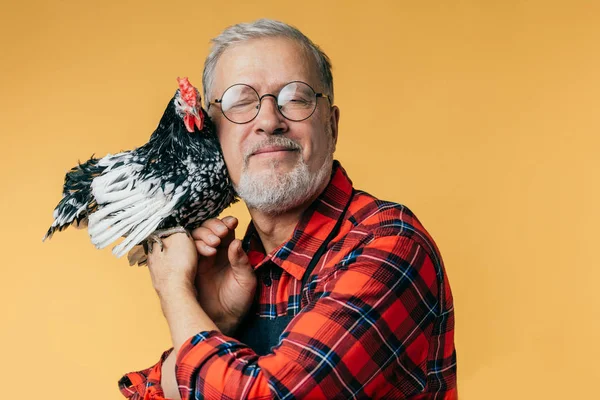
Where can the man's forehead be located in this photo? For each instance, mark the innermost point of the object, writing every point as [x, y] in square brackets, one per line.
[265, 64]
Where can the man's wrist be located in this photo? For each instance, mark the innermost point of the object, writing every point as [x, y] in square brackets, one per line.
[175, 290]
[174, 299]
[184, 315]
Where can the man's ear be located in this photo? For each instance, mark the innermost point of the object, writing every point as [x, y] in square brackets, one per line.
[334, 120]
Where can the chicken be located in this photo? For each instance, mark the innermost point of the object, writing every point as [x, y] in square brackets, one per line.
[171, 184]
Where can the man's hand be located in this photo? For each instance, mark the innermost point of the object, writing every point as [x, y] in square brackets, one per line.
[173, 271]
[212, 267]
[174, 268]
[225, 282]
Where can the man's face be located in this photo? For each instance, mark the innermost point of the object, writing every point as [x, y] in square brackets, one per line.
[252, 152]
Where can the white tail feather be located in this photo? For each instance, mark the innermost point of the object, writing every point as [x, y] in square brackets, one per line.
[109, 194]
[121, 205]
[143, 230]
[125, 209]
[110, 229]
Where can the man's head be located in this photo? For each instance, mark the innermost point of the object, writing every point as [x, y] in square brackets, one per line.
[276, 163]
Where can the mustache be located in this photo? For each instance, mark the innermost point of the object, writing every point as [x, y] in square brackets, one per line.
[278, 141]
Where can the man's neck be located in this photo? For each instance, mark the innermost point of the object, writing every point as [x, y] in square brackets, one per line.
[274, 230]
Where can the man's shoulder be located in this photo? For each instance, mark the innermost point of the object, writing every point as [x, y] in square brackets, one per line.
[381, 217]
[374, 218]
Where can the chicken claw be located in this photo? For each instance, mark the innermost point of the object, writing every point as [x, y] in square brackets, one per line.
[161, 234]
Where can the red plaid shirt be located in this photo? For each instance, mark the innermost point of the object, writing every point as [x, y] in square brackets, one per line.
[376, 318]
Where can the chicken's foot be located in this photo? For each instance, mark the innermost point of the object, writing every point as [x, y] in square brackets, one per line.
[157, 236]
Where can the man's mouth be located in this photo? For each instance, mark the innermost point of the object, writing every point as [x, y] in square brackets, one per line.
[272, 149]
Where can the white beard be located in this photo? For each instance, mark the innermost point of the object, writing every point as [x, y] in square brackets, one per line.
[273, 192]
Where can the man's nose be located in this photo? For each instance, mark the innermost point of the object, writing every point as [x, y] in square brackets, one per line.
[269, 120]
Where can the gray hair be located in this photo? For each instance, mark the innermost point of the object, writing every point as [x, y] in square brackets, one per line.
[259, 29]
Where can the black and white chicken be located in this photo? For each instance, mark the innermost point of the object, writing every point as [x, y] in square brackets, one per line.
[171, 184]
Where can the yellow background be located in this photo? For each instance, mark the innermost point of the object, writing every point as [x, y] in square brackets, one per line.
[480, 116]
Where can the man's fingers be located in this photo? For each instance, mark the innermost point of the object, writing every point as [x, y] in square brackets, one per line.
[207, 236]
[230, 222]
[216, 227]
[204, 249]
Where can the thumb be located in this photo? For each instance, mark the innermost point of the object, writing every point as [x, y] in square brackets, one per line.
[240, 263]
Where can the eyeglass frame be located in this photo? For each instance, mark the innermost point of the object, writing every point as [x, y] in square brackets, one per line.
[260, 99]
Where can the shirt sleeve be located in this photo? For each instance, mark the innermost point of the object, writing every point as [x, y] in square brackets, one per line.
[144, 384]
[365, 333]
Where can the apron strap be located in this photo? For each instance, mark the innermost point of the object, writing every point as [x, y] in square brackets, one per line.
[323, 247]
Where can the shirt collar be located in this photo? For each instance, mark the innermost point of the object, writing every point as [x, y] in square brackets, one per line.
[311, 231]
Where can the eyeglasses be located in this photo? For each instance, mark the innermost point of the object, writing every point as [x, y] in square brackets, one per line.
[241, 103]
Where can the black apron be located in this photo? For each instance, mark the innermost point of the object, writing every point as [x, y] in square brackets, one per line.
[262, 334]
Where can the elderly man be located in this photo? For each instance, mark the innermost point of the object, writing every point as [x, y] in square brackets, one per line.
[332, 294]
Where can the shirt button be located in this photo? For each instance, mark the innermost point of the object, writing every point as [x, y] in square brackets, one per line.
[267, 281]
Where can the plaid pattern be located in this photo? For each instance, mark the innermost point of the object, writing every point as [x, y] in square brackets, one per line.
[375, 320]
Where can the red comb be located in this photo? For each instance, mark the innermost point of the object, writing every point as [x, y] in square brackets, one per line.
[188, 91]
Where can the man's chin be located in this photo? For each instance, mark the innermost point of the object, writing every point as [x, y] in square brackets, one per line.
[270, 168]
[268, 177]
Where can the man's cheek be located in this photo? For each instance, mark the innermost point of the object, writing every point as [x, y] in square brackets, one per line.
[234, 167]
[230, 164]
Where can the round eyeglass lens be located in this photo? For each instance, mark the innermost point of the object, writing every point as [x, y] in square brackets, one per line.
[240, 103]
[297, 101]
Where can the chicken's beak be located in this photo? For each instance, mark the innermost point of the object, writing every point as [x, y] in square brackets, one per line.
[196, 118]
